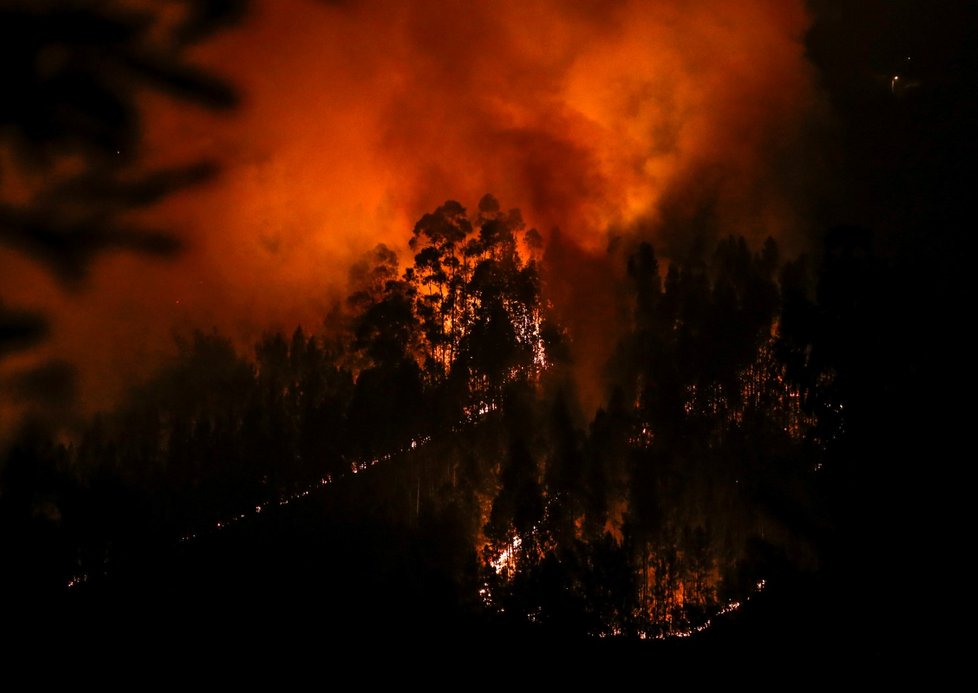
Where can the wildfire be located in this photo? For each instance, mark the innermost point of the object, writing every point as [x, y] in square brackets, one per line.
[506, 559]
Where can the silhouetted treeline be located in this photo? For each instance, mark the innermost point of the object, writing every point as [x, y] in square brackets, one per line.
[697, 479]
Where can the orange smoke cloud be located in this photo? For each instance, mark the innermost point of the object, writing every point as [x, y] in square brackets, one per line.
[360, 116]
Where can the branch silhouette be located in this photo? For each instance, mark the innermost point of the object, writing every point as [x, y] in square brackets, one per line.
[71, 132]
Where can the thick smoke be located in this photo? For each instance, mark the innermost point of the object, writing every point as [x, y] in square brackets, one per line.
[667, 118]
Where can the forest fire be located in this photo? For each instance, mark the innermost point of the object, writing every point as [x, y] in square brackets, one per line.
[671, 371]
[466, 329]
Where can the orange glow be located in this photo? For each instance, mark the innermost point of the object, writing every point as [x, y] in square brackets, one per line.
[358, 117]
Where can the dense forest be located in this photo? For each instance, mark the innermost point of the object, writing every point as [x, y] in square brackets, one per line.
[447, 390]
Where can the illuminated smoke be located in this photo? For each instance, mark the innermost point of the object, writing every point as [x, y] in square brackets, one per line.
[663, 118]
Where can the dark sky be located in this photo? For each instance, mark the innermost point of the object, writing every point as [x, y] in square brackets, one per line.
[900, 81]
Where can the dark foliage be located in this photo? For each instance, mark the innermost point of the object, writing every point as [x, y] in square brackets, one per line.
[438, 389]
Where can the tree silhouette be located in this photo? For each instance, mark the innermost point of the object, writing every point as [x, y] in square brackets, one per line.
[695, 475]
[440, 274]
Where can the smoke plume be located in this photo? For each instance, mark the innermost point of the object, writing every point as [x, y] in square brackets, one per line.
[666, 119]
